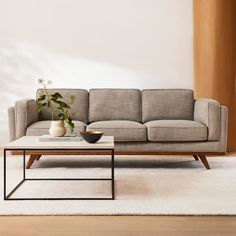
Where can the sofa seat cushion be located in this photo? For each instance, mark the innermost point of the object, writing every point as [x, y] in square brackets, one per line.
[42, 127]
[176, 130]
[122, 130]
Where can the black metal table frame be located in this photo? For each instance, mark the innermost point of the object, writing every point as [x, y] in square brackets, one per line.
[7, 196]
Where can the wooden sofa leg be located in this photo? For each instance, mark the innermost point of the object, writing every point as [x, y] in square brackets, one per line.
[31, 160]
[204, 161]
[195, 157]
[37, 159]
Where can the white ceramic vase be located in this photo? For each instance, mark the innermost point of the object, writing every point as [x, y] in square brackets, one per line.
[57, 128]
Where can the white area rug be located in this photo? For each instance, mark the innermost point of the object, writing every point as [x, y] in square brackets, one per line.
[146, 185]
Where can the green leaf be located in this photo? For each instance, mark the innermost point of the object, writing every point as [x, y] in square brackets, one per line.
[63, 104]
[54, 100]
[72, 99]
[71, 126]
[40, 106]
[41, 98]
[61, 116]
[49, 104]
[56, 95]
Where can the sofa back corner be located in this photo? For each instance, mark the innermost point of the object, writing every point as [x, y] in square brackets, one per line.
[79, 109]
[169, 104]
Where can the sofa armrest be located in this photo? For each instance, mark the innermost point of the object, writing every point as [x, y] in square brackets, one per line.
[25, 114]
[224, 128]
[11, 123]
[208, 112]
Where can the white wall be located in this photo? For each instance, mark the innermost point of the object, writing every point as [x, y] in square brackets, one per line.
[93, 43]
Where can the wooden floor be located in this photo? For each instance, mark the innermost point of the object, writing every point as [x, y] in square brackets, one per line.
[117, 226]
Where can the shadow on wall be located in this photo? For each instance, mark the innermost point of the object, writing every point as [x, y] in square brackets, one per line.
[23, 63]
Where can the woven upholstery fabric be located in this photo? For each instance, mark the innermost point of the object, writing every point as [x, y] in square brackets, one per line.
[167, 104]
[223, 128]
[25, 114]
[11, 123]
[122, 130]
[168, 147]
[173, 121]
[176, 131]
[42, 127]
[114, 104]
[207, 111]
[79, 109]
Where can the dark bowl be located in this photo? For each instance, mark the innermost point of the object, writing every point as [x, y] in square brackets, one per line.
[91, 136]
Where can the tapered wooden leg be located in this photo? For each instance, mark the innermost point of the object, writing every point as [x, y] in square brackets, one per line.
[31, 160]
[204, 161]
[195, 157]
[38, 157]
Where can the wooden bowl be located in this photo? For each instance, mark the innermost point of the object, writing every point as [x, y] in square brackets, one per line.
[91, 136]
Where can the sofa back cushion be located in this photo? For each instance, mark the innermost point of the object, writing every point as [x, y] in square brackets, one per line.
[167, 104]
[114, 104]
[79, 109]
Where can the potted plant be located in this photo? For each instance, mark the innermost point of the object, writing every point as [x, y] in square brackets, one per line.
[58, 107]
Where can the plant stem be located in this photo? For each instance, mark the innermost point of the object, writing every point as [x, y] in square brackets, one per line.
[49, 99]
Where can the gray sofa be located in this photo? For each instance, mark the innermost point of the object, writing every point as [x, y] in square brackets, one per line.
[151, 121]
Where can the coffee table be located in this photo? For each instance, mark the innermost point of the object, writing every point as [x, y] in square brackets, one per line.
[30, 144]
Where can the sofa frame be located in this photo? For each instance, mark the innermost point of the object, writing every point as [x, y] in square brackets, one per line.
[207, 112]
